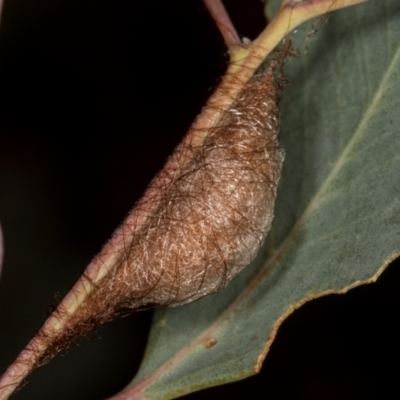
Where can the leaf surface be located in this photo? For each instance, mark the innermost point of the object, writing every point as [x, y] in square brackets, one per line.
[337, 218]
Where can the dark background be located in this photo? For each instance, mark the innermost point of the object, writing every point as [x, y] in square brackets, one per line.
[94, 95]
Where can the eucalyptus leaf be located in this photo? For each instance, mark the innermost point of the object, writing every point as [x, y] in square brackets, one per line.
[271, 8]
[337, 218]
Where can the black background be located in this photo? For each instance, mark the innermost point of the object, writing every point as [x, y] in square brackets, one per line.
[94, 95]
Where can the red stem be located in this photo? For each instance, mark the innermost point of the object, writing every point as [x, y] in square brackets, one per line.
[223, 22]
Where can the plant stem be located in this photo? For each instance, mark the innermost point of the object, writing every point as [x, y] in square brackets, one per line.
[223, 22]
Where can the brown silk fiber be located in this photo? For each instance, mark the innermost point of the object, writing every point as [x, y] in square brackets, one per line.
[209, 218]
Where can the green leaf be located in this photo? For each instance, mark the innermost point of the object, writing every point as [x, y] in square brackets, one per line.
[337, 220]
[271, 8]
